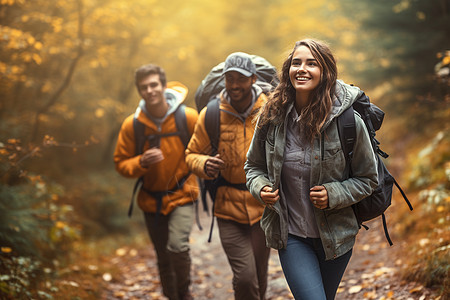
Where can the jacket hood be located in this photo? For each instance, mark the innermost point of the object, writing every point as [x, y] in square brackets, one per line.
[344, 97]
[256, 93]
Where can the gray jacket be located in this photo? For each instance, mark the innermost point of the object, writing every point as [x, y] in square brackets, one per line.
[337, 224]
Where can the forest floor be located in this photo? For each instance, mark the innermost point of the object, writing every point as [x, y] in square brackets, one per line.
[373, 272]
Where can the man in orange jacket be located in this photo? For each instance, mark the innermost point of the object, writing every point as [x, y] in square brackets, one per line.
[237, 211]
[168, 188]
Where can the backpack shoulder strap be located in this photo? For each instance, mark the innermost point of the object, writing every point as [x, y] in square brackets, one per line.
[347, 134]
[212, 123]
[139, 136]
[181, 123]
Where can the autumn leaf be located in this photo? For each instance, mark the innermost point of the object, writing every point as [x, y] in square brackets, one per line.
[355, 289]
[416, 289]
[6, 249]
[121, 252]
[107, 277]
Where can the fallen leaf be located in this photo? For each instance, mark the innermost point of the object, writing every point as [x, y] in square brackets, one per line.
[354, 289]
[370, 295]
[92, 268]
[416, 289]
[6, 250]
[107, 277]
[119, 294]
[121, 252]
[71, 283]
[424, 242]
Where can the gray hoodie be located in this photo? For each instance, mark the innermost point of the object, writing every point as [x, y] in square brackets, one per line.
[173, 99]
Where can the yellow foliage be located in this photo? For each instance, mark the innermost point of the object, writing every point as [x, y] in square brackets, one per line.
[57, 25]
[36, 58]
[13, 141]
[35, 179]
[11, 2]
[38, 45]
[385, 63]
[6, 249]
[421, 16]
[3, 67]
[54, 50]
[446, 60]
[46, 87]
[60, 224]
[99, 112]
[403, 5]
[30, 39]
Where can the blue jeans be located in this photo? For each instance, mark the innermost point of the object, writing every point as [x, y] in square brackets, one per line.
[307, 273]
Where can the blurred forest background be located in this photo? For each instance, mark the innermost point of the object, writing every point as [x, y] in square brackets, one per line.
[66, 85]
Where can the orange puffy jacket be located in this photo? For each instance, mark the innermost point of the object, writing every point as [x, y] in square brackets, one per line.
[235, 138]
[164, 175]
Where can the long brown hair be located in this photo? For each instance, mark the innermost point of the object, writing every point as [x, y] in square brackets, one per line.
[315, 114]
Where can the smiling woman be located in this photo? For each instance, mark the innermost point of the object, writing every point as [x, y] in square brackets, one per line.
[305, 75]
[308, 216]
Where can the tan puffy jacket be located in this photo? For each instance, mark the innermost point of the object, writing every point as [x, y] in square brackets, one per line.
[235, 138]
[163, 175]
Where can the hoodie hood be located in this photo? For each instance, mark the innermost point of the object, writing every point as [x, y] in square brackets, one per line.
[256, 92]
[175, 94]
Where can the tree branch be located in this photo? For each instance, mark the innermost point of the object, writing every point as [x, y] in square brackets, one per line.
[65, 84]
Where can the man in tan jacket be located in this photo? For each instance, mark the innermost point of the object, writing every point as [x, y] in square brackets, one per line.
[237, 212]
[168, 188]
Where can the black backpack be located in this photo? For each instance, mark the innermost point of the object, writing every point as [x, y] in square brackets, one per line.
[154, 141]
[207, 94]
[377, 203]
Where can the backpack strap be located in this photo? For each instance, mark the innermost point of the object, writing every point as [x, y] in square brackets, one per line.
[212, 123]
[212, 126]
[139, 136]
[347, 135]
[160, 195]
[154, 140]
[386, 233]
[181, 123]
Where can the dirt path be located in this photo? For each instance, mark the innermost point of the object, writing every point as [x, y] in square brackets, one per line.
[371, 274]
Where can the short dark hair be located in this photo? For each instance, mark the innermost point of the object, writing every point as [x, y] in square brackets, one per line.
[148, 69]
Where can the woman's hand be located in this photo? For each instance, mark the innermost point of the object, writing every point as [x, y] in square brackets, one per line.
[268, 196]
[319, 196]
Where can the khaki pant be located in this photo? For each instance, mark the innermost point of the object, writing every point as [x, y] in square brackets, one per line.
[245, 247]
[170, 237]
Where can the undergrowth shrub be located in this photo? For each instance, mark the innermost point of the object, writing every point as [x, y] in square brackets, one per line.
[429, 176]
[101, 199]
